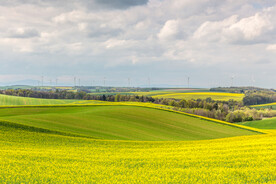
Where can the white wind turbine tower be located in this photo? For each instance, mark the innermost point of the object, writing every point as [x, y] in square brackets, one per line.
[188, 81]
[232, 81]
[42, 78]
[75, 81]
[149, 81]
[252, 81]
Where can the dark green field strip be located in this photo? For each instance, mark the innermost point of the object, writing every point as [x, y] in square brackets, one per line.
[121, 123]
[36, 129]
[269, 123]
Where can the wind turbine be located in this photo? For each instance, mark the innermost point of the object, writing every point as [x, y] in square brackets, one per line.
[232, 81]
[252, 80]
[42, 77]
[188, 81]
[75, 81]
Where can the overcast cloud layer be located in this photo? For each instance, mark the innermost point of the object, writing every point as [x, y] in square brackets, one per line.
[211, 41]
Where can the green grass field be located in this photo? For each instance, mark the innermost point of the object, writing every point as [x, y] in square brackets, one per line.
[269, 123]
[16, 100]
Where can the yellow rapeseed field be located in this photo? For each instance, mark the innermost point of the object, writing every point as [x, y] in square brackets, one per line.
[33, 157]
[203, 95]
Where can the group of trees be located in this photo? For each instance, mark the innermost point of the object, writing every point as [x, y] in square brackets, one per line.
[253, 95]
[259, 98]
[231, 111]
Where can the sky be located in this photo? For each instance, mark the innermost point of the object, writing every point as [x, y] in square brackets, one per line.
[139, 42]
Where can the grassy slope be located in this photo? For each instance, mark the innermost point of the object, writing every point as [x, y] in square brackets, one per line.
[15, 100]
[6, 100]
[203, 95]
[269, 123]
[34, 157]
[121, 123]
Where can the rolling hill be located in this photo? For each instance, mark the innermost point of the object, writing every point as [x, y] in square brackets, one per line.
[121, 122]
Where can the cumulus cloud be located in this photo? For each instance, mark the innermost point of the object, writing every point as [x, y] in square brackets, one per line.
[249, 28]
[271, 47]
[114, 43]
[234, 30]
[169, 30]
[213, 30]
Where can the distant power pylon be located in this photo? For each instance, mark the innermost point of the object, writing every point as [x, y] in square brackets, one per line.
[188, 80]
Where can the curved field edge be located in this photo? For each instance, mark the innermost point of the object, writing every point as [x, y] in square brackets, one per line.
[153, 106]
[19, 126]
